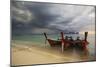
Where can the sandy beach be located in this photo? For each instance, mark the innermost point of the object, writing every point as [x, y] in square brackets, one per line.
[29, 53]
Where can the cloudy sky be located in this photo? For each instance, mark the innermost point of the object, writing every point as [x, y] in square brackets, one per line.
[35, 17]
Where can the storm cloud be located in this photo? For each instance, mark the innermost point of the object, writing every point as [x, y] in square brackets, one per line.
[36, 17]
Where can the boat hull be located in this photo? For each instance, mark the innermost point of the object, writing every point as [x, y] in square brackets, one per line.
[68, 44]
[54, 42]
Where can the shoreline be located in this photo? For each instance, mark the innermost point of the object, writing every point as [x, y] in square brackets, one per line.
[25, 54]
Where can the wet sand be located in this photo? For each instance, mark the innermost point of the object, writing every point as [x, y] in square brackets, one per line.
[29, 53]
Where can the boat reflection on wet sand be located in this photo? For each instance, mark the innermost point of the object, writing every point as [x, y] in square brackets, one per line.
[75, 54]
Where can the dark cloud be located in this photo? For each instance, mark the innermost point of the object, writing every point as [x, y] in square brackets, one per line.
[33, 17]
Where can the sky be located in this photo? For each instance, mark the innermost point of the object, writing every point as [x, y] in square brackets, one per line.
[36, 18]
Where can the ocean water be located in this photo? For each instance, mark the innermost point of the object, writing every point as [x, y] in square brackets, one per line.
[40, 40]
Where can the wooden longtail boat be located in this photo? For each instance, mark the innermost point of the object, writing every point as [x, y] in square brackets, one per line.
[65, 43]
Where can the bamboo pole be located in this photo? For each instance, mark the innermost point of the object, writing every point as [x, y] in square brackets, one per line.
[62, 39]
